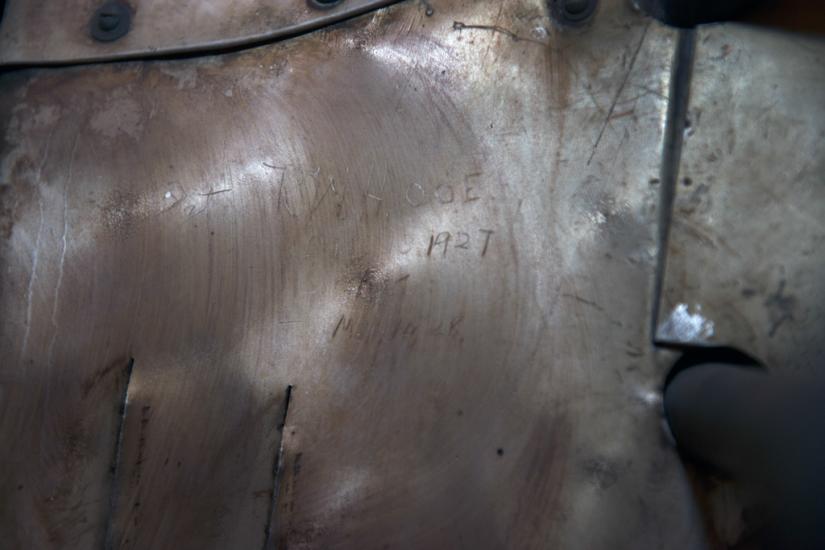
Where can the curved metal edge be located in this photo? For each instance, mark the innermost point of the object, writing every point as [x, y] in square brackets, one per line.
[205, 48]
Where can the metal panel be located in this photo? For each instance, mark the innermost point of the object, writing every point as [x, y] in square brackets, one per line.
[90, 282]
[197, 457]
[744, 262]
[58, 31]
[438, 222]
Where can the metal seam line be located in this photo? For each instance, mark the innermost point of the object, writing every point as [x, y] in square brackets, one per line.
[124, 402]
[681, 72]
[205, 49]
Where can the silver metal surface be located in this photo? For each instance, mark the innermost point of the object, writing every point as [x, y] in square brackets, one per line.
[745, 259]
[437, 222]
[57, 31]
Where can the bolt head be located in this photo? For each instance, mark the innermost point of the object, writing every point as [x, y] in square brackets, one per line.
[576, 7]
[110, 21]
[572, 12]
[324, 4]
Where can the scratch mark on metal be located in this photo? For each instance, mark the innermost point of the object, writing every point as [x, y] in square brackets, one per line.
[650, 91]
[623, 114]
[490, 43]
[583, 301]
[323, 196]
[177, 201]
[593, 98]
[32, 277]
[64, 246]
[216, 192]
[280, 195]
[277, 470]
[459, 26]
[618, 93]
[124, 402]
[780, 307]
[335, 331]
[36, 252]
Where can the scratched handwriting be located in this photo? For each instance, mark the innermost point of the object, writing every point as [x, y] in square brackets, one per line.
[445, 193]
[404, 329]
[440, 243]
[299, 191]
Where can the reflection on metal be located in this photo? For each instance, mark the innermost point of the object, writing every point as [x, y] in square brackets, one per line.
[686, 327]
[436, 224]
[58, 31]
[747, 236]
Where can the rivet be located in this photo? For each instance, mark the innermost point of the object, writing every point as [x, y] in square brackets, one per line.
[572, 12]
[576, 7]
[323, 4]
[111, 21]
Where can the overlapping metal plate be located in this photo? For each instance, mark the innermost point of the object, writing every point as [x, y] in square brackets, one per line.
[745, 260]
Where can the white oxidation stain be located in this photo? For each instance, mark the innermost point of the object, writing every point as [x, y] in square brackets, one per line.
[185, 75]
[597, 218]
[539, 33]
[684, 326]
[119, 114]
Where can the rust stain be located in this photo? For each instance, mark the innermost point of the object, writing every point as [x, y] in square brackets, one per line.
[145, 415]
[96, 377]
[16, 194]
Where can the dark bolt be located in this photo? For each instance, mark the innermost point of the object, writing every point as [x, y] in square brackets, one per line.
[572, 12]
[323, 4]
[111, 21]
[108, 20]
[576, 7]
